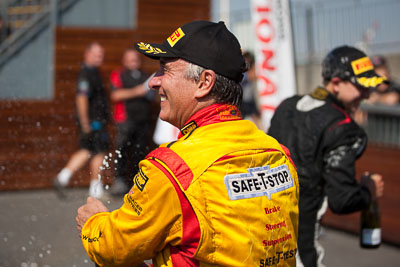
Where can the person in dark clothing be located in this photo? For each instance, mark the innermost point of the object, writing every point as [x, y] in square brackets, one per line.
[92, 111]
[249, 107]
[324, 142]
[132, 116]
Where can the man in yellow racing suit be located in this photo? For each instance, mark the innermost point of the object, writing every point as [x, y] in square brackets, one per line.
[223, 194]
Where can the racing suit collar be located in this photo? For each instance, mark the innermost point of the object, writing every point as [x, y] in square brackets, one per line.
[209, 115]
[321, 93]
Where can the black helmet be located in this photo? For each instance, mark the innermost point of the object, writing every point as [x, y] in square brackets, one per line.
[350, 64]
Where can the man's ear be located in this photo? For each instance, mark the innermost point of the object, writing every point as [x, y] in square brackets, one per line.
[335, 83]
[205, 84]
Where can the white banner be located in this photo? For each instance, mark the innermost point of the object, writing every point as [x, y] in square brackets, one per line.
[274, 54]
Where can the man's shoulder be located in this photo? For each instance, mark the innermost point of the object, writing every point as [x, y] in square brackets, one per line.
[225, 136]
[83, 71]
[291, 100]
[86, 73]
[322, 108]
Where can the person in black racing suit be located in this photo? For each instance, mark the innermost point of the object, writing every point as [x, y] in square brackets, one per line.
[325, 142]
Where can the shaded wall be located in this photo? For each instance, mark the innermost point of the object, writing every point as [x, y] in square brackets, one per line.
[29, 74]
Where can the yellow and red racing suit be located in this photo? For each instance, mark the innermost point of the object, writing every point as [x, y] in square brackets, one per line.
[223, 194]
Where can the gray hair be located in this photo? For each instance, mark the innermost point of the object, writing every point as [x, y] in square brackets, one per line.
[224, 90]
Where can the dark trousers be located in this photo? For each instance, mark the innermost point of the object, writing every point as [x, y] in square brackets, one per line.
[132, 142]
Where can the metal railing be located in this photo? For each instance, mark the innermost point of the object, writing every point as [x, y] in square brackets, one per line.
[383, 124]
[24, 19]
[16, 14]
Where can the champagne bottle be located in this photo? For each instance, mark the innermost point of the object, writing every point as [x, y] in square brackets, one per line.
[370, 236]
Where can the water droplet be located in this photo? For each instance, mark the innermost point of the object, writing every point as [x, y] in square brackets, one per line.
[30, 242]
[24, 264]
[33, 237]
[110, 154]
[115, 161]
[107, 187]
[38, 124]
[23, 248]
[40, 255]
[5, 239]
[10, 119]
[34, 264]
[85, 261]
[48, 251]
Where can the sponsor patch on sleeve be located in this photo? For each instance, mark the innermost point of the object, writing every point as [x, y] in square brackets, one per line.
[141, 180]
[258, 181]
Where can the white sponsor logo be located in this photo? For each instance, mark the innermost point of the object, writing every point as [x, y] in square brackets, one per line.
[258, 181]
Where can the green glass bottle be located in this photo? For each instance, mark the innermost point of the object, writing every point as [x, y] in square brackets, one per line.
[370, 236]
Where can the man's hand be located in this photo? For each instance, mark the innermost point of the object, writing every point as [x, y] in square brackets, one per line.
[374, 182]
[91, 207]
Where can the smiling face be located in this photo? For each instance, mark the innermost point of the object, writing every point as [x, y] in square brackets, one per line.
[177, 93]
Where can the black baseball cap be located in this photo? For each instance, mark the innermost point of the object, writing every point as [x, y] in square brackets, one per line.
[349, 63]
[204, 43]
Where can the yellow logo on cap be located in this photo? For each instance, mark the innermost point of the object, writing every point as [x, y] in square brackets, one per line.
[175, 37]
[362, 65]
[150, 49]
[370, 82]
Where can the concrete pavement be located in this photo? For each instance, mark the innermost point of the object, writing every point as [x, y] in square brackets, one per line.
[37, 229]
